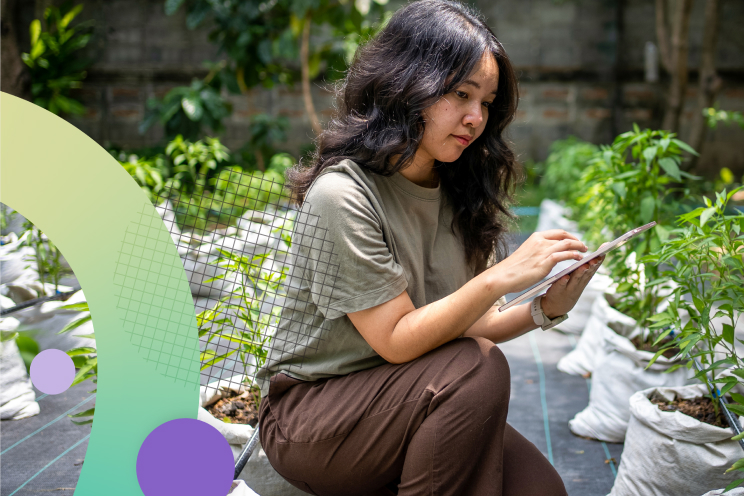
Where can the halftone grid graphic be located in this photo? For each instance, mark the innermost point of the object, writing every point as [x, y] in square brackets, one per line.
[245, 247]
[157, 321]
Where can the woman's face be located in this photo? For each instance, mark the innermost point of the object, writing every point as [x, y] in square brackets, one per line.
[459, 117]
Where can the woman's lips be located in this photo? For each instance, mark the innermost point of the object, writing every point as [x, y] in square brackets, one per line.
[462, 141]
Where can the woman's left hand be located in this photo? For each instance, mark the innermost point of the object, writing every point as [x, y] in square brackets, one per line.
[565, 292]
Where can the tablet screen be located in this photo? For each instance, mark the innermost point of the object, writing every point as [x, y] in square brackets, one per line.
[606, 248]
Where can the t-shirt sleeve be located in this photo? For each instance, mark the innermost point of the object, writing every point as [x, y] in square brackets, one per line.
[348, 266]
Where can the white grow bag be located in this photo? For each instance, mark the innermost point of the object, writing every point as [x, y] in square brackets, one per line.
[620, 373]
[589, 350]
[17, 396]
[670, 453]
[258, 473]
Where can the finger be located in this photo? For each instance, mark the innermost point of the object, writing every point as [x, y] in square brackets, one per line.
[568, 244]
[562, 256]
[558, 234]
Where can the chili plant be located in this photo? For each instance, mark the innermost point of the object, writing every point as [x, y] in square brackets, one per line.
[630, 183]
[47, 256]
[706, 262]
[242, 317]
[85, 358]
[564, 166]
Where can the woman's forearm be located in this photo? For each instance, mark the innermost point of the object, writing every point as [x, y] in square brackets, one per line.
[503, 326]
[430, 326]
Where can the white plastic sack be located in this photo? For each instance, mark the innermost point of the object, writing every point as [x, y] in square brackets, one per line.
[616, 378]
[239, 488]
[589, 349]
[258, 473]
[16, 259]
[739, 491]
[579, 316]
[553, 215]
[43, 322]
[669, 453]
[17, 396]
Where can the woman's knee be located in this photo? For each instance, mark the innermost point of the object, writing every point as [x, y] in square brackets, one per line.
[483, 372]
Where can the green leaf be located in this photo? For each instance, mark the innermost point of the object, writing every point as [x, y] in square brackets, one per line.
[35, 30]
[70, 15]
[737, 409]
[685, 147]
[734, 484]
[192, 107]
[75, 324]
[649, 153]
[670, 167]
[648, 205]
[619, 189]
[86, 413]
[728, 333]
[738, 465]
[85, 350]
[706, 215]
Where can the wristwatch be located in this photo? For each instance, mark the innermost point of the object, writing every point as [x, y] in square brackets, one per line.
[540, 318]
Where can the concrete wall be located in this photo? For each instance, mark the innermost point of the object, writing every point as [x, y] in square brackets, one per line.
[580, 64]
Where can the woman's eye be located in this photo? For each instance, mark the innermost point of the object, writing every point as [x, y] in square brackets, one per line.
[461, 94]
[487, 104]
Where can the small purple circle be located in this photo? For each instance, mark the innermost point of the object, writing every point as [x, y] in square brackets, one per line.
[52, 371]
[186, 457]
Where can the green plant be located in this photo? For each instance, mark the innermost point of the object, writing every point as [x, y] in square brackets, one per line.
[628, 184]
[195, 164]
[187, 110]
[47, 256]
[266, 132]
[706, 261]
[53, 62]
[563, 168]
[713, 116]
[85, 358]
[241, 317]
[147, 172]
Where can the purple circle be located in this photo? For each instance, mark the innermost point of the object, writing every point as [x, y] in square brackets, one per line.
[52, 371]
[186, 457]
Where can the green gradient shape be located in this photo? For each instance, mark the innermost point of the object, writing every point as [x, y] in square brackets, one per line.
[82, 198]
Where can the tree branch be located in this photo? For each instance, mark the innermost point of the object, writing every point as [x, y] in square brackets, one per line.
[679, 53]
[709, 83]
[305, 64]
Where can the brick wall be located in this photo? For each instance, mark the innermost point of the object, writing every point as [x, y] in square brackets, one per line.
[580, 64]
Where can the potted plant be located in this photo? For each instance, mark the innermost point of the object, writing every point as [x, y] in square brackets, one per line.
[685, 426]
[243, 322]
[630, 183]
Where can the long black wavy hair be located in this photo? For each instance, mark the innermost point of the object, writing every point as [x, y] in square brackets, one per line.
[424, 52]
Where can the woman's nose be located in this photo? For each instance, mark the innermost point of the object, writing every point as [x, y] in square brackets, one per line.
[474, 116]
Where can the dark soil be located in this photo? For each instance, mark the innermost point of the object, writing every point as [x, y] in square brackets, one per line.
[698, 408]
[670, 353]
[237, 408]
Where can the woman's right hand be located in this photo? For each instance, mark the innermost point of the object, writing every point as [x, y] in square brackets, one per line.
[536, 257]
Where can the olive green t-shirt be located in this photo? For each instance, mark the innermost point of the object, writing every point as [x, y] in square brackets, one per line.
[360, 240]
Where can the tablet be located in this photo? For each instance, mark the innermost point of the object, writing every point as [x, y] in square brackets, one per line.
[606, 248]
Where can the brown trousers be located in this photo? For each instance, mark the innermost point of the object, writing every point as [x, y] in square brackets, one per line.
[432, 426]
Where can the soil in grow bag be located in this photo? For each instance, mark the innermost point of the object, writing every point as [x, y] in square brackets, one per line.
[697, 408]
[670, 353]
[236, 408]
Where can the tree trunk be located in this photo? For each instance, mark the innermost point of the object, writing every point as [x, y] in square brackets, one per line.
[14, 78]
[709, 83]
[305, 63]
[662, 35]
[678, 65]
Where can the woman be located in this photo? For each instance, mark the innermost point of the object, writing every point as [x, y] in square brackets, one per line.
[384, 375]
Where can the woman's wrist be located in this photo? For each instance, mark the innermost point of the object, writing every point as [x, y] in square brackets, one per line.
[548, 310]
